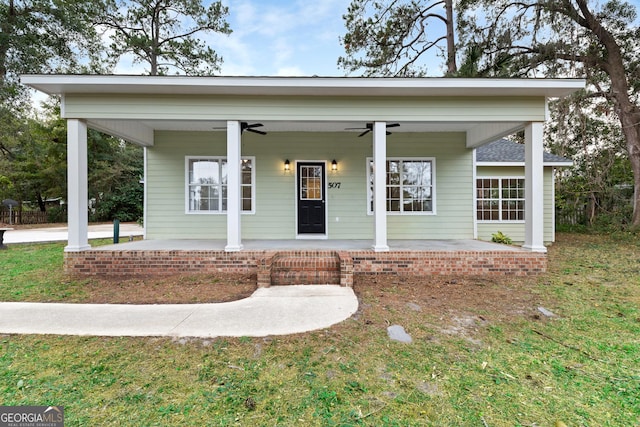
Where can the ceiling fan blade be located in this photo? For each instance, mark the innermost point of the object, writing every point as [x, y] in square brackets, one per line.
[364, 133]
[251, 127]
[393, 125]
[355, 128]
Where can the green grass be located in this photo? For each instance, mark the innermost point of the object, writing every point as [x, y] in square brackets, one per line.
[33, 272]
[582, 368]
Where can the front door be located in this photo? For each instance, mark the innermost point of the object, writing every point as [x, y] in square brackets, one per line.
[311, 198]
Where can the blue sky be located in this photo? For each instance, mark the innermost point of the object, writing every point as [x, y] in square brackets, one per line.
[283, 38]
[275, 38]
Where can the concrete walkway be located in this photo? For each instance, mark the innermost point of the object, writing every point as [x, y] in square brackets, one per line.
[269, 311]
[279, 310]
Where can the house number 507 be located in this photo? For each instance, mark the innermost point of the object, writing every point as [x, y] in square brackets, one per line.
[334, 184]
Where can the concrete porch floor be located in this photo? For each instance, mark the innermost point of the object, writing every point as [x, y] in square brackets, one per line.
[336, 245]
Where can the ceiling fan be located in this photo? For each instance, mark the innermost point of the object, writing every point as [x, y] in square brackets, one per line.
[369, 128]
[249, 127]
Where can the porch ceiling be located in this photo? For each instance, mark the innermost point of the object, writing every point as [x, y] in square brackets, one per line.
[141, 131]
[307, 126]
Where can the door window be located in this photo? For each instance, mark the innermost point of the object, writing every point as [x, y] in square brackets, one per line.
[311, 183]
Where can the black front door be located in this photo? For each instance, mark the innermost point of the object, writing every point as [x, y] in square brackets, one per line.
[311, 198]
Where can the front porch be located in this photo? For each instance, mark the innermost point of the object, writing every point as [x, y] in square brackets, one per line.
[306, 261]
[359, 162]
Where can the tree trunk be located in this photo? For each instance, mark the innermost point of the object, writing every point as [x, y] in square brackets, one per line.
[155, 39]
[631, 129]
[452, 68]
[41, 203]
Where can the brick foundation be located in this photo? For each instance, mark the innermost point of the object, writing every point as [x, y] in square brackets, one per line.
[152, 262]
[463, 263]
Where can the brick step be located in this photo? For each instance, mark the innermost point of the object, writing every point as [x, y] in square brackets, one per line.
[310, 268]
[284, 278]
[307, 267]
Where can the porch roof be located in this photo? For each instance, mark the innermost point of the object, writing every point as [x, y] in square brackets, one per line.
[508, 153]
[133, 107]
[297, 86]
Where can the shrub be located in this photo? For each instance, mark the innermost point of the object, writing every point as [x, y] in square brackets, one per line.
[500, 237]
[57, 214]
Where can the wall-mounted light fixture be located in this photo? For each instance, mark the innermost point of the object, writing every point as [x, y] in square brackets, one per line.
[334, 165]
[287, 165]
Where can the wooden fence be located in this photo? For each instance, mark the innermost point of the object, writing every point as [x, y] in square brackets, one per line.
[24, 217]
[574, 216]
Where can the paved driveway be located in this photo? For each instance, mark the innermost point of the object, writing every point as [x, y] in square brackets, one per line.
[54, 234]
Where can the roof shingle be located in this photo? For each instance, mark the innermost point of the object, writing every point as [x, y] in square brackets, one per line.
[505, 151]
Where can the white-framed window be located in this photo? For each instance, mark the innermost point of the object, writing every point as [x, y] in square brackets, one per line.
[500, 199]
[206, 184]
[410, 185]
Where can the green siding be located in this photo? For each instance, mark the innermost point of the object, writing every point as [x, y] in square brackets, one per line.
[454, 193]
[290, 108]
[274, 216]
[516, 230]
[165, 181]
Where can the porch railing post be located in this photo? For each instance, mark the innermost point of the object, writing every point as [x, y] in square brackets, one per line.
[379, 187]
[234, 232]
[534, 188]
[77, 186]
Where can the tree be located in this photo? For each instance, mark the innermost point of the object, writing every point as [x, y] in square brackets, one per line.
[34, 166]
[596, 190]
[34, 162]
[394, 38]
[161, 33]
[115, 170]
[38, 36]
[567, 38]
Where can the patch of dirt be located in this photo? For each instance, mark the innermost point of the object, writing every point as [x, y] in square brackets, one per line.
[460, 306]
[176, 289]
[500, 296]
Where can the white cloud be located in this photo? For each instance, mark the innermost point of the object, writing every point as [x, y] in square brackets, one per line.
[269, 37]
[290, 72]
[126, 66]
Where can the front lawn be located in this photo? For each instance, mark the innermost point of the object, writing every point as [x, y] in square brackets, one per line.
[483, 353]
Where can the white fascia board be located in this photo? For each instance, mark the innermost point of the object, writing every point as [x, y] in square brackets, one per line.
[300, 86]
[559, 164]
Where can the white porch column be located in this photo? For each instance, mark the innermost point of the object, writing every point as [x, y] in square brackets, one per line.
[380, 187]
[77, 186]
[534, 188]
[234, 202]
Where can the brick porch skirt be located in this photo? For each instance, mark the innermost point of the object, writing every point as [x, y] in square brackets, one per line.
[152, 262]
